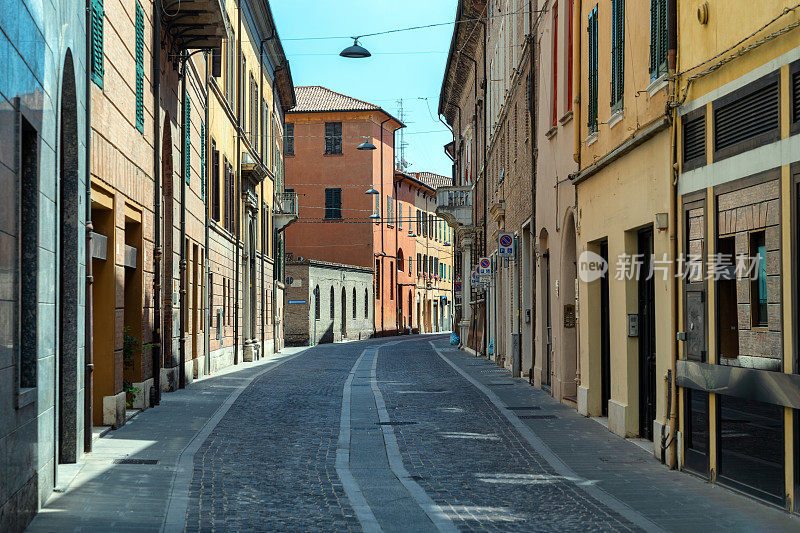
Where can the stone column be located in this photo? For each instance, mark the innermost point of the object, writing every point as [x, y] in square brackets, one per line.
[466, 282]
[250, 351]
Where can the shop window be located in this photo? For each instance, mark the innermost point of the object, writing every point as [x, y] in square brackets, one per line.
[697, 431]
[752, 447]
[758, 283]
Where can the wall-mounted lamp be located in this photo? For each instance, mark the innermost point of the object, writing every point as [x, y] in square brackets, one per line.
[662, 221]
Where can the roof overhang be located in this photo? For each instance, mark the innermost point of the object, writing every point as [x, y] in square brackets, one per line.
[467, 36]
[196, 24]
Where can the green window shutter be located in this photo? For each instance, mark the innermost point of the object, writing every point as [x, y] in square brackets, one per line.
[187, 138]
[593, 81]
[97, 42]
[139, 68]
[617, 52]
[662, 37]
[202, 161]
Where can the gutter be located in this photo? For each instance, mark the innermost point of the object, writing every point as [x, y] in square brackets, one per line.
[645, 135]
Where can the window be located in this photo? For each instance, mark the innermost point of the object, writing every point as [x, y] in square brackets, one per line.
[555, 64]
[431, 227]
[28, 246]
[436, 266]
[389, 211]
[658, 38]
[419, 224]
[354, 302]
[366, 303]
[592, 31]
[333, 203]
[378, 285]
[332, 306]
[333, 138]
[139, 68]
[377, 205]
[391, 280]
[570, 38]
[758, 283]
[288, 144]
[187, 139]
[419, 264]
[214, 181]
[316, 302]
[617, 53]
[424, 263]
[399, 215]
[97, 42]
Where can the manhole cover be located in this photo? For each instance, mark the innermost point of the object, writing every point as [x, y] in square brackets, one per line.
[538, 417]
[130, 461]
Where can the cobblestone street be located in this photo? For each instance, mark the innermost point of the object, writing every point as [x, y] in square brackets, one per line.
[402, 434]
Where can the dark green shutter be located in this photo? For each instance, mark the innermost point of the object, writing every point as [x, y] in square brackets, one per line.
[187, 138]
[662, 37]
[202, 161]
[618, 52]
[139, 68]
[593, 81]
[97, 42]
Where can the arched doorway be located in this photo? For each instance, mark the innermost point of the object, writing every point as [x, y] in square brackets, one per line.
[546, 363]
[68, 260]
[169, 338]
[344, 314]
[569, 336]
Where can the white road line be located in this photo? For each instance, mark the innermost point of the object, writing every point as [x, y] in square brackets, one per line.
[178, 500]
[558, 465]
[363, 512]
[434, 512]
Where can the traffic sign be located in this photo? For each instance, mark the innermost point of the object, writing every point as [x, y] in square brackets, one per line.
[505, 244]
[485, 266]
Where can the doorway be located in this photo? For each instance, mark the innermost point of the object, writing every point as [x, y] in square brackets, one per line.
[647, 337]
[605, 336]
[344, 314]
[547, 360]
[569, 298]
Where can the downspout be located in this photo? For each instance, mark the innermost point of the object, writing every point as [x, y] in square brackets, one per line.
[576, 81]
[263, 153]
[207, 269]
[157, 303]
[237, 191]
[672, 401]
[380, 221]
[532, 111]
[89, 325]
[485, 177]
[184, 155]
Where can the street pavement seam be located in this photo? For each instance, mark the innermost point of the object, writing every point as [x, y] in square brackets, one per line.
[178, 500]
[547, 453]
[434, 512]
[351, 488]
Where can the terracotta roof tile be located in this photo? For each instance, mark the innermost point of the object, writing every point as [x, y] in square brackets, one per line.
[317, 98]
[434, 181]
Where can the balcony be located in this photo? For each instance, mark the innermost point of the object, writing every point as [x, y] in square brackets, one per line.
[285, 211]
[196, 24]
[454, 205]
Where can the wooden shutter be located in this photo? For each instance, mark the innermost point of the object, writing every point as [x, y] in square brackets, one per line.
[328, 137]
[214, 181]
[139, 68]
[653, 39]
[662, 37]
[289, 142]
[617, 52]
[592, 33]
[694, 140]
[97, 42]
[187, 138]
[748, 118]
[796, 96]
[202, 161]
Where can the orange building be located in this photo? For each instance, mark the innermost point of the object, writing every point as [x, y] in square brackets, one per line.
[348, 208]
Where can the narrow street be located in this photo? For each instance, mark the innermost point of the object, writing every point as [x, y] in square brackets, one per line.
[400, 434]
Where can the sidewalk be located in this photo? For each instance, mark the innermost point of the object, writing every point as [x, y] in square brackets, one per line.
[672, 500]
[100, 493]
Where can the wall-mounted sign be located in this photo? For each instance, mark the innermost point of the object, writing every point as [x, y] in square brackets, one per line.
[505, 245]
[297, 302]
[485, 266]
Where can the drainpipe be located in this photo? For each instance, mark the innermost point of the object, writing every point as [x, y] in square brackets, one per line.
[89, 323]
[532, 111]
[485, 178]
[207, 207]
[183, 277]
[672, 111]
[263, 153]
[157, 303]
[380, 220]
[238, 191]
[576, 80]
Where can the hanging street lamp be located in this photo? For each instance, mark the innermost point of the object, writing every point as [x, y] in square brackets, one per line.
[356, 51]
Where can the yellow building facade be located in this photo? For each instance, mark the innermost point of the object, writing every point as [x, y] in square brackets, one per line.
[737, 107]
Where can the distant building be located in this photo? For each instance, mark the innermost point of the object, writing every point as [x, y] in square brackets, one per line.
[338, 222]
[327, 302]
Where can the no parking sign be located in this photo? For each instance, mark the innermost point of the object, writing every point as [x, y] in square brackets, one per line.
[505, 245]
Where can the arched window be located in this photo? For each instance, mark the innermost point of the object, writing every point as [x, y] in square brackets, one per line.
[316, 302]
[332, 303]
[400, 258]
[354, 302]
[366, 303]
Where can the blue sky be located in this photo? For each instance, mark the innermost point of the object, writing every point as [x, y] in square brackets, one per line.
[407, 65]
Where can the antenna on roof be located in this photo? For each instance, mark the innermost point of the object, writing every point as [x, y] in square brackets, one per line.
[401, 163]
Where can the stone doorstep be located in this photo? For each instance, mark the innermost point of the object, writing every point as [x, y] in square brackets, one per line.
[102, 431]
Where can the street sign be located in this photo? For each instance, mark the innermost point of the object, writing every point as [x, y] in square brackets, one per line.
[505, 245]
[485, 266]
[458, 286]
[296, 302]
